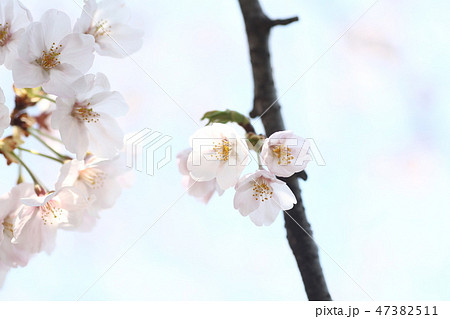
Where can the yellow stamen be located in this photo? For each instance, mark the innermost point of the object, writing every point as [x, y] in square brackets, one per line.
[85, 113]
[100, 29]
[284, 154]
[262, 190]
[8, 227]
[4, 34]
[93, 177]
[222, 150]
[50, 211]
[50, 59]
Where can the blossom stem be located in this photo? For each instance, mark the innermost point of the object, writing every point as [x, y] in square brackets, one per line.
[20, 177]
[45, 135]
[47, 146]
[40, 154]
[44, 97]
[33, 177]
[260, 166]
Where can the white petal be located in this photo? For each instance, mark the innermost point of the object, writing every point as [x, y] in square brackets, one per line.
[84, 22]
[63, 109]
[283, 196]
[228, 176]
[69, 173]
[12, 256]
[201, 189]
[111, 103]
[266, 214]
[74, 136]
[22, 17]
[4, 117]
[245, 202]
[206, 170]
[106, 196]
[28, 75]
[101, 83]
[56, 25]
[78, 51]
[114, 11]
[122, 41]
[31, 234]
[32, 43]
[182, 159]
[3, 272]
[61, 79]
[105, 136]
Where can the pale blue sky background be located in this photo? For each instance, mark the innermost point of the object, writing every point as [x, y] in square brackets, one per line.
[376, 104]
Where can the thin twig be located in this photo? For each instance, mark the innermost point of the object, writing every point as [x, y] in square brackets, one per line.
[40, 154]
[63, 157]
[30, 172]
[283, 21]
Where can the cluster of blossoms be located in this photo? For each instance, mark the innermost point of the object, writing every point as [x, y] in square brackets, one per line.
[219, 155]
[66, 110]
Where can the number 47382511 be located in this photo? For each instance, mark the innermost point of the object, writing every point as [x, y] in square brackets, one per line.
[407, 310]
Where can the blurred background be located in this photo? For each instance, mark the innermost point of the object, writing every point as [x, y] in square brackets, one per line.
[376, 105]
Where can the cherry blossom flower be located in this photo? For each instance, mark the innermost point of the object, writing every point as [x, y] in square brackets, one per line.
[218, 152]
[10, 204]
[85, 120]
[14, 18]
[40, 216]
[261, 196]
[106, 22]
[51, 56]
[4, 114]
[201, 190]
[285, 153]
[11, 255]
[97, 178]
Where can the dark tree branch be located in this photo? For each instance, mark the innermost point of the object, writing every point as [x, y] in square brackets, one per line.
[283, 21]
[305, 250]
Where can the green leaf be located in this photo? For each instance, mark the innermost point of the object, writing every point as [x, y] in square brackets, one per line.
[226, 116]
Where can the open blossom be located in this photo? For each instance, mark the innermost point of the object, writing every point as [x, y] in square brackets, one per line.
[14, 18]
[4, 114]
[86, 119]
[107, 23]
[218, 152]
[261, 196]
[11, 255]
[40, 216]
[201, 190]
[97, 178]
[285, 153]
[51, 56]
[10, 205]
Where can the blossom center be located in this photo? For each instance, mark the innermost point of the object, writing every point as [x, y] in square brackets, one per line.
[4, 34]
[100, 29]
[93, 177]
[222, 150]
[50, 211]
[262, 190]
[284, 154]
[50, 59]
[85, 113]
